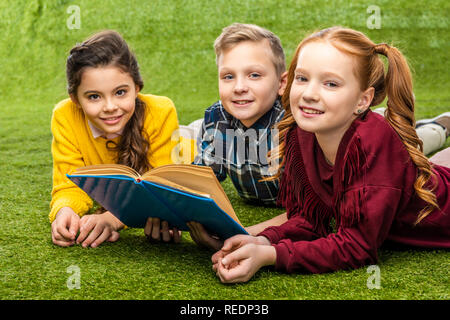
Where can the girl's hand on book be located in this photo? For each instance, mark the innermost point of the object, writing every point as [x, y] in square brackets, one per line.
[157, 230]
[97, 228]
[65, 227]
[202, 237]
[241, 264]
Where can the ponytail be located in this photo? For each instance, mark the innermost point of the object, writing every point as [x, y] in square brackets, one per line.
[400, 115]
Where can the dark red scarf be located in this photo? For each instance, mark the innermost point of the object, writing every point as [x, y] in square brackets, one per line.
[301, 190]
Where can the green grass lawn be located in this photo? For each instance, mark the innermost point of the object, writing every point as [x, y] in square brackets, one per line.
[173, 41]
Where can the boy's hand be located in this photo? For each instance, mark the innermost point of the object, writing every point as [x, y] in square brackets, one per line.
[97, 228]
[65, 227]
[202, 237]
[155, 230]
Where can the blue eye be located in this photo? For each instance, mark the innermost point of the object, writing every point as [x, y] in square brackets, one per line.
[227, 77]
[255, 75]
[331, 84]
[301, 78]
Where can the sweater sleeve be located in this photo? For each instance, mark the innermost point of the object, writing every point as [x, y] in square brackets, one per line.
[66, 158]
[297, 228]
[161, 125]
[349, 247]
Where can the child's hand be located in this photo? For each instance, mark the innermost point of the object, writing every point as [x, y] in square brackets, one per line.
[202, 237]
[155, 230]
[65, 227]
[234, 243]
[241, 264]
[97, 228]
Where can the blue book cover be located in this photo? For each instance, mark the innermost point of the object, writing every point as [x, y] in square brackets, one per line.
[132, 201]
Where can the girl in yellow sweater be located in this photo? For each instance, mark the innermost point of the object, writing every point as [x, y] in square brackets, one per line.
[106, 120]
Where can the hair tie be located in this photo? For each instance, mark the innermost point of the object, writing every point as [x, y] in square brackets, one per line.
[381, 48]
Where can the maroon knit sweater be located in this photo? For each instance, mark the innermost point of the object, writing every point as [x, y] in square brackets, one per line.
[369, 193]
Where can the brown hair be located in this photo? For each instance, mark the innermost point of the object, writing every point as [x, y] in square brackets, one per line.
[109, 48]
[239, 32]
[396, 84]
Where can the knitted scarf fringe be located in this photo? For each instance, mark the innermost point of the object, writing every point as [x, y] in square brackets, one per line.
[296, 193]
[298, 197]
[349, 203]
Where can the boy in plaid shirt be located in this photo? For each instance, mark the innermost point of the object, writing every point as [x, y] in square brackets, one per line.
[236, 133]
[238, 130]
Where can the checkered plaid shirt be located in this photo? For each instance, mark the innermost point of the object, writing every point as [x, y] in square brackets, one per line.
[230, 148]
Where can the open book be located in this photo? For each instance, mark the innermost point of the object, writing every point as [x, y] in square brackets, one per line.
[176, 193]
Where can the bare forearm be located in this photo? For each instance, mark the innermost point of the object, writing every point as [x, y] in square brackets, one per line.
[275, 221]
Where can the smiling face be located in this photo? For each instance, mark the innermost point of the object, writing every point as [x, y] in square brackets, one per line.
[325, 95]
[107, 96]
[248, 81]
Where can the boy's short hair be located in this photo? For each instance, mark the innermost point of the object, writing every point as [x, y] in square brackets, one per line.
[239, 32]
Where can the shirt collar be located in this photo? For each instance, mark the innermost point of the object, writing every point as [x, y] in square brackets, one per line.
[96, 132]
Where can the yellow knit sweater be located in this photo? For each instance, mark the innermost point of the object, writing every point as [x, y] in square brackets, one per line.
[74, 146]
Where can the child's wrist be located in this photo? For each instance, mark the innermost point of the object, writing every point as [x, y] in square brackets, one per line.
[271, 256]
[63, 210]
[263, 241]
